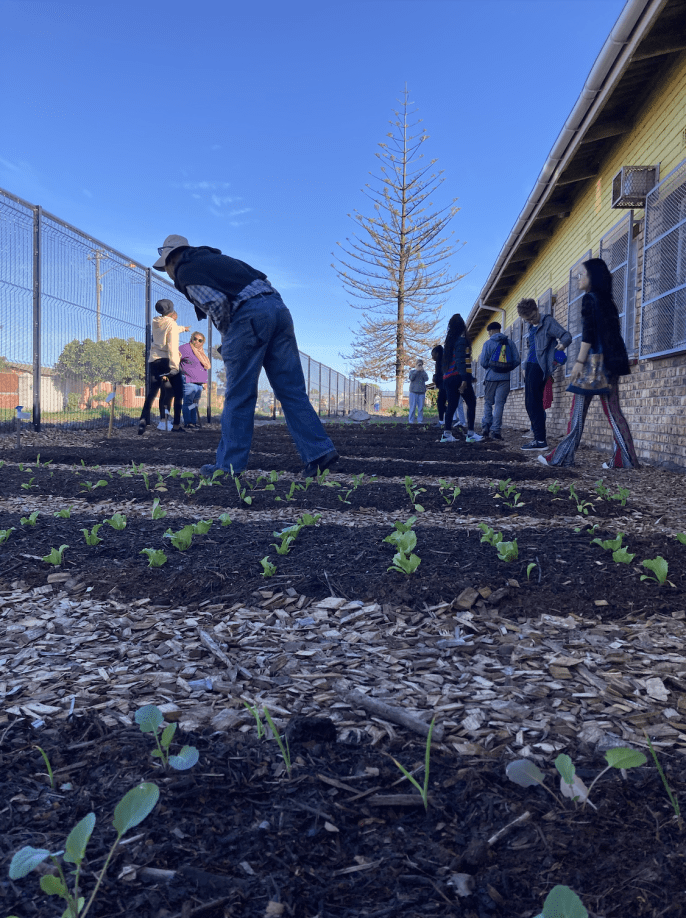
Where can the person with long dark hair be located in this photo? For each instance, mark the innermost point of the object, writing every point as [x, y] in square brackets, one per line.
[600, 333]
[457, 378]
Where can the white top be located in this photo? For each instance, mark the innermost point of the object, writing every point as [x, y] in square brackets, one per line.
[165, 341]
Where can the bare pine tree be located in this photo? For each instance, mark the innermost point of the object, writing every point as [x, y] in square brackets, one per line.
[399, 268]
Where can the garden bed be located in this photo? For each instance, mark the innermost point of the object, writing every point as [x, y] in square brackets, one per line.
[562, 650]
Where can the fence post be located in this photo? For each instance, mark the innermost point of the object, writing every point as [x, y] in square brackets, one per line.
[37, 287]
[308, 378]
[148, 327]
[209, 372]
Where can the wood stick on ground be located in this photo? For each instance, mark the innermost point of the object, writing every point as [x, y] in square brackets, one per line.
[395, 715]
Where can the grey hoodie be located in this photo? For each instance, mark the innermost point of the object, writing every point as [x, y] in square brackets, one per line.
[548, 332]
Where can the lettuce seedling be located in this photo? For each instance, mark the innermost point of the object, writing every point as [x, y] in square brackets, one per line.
[149, 718]
[681, 537]
[327, 482]
[202, 527]
[526, 773]
[582, 506]
[90, 485]
[27, 485]
[424, 791]
[31, 519]
[157, 512]
[131, 810]
[268, 569]
[5, 534]
[182, 538]
[554, 487]
[413, 493]
[241, 489]
[563, 902]
[156, 557]
[489, 536]
[136, 469]
[659, 567]
[609, 544]
[92, 537]
[454, 491]
[64, 513]
[225, 519]
[529, 568]
[622, 556]
[622, 496]
[404, 561]
[55, 556]
[117, 521]
[291, 493]
[602, 490]
[399, 529]
[508, 551]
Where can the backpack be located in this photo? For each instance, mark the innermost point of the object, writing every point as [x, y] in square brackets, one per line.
[502, 358]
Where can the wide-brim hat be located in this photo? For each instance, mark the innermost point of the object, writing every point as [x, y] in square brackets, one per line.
[170, 243]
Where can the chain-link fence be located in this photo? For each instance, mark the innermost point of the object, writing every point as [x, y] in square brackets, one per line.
[75, 331]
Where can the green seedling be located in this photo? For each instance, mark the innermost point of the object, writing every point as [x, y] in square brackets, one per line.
[5, 534]
[287, 536]
[64, 513]
[489, 536]
[554, 487]
[582, 506]
[515, 502]
[38, 462]
[129, 812]
[124, 473]
[182, 538]
[622, 496]
[602, 490]
[117, 521]
[274, 477]
[413, 493]
[225, 519]
[525, 773]
[308, 481]
[308, 520]
[157, 512]
[27, 485]
[202, 527]
[285, 751]
[48, 766]
[92, 537]
[258, 720]
[55, 556]
[242, 490]
[672, 796]
[423, 790]
[268, 569]
[30, 520]
[681, 537]
[91, 486]
[529, 569]
[149, 718]
[156, 557]
[291, 493]
[453, 491]
[323, 478]
[587, 528]
[610, 544]
[146, 481]
[404, 561]
[136, 469]
[399, 529]
[188, 486]
[659, 567]
[574, 788]
[622, 556]
[563, 902]
[405, 564]
[507, 551]
[174, 473]
[506, 487]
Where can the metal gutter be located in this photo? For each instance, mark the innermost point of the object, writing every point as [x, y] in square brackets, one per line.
[614, 55]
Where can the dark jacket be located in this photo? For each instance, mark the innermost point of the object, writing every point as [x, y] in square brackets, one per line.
[459, 363]
[600, 326]
[207, 267]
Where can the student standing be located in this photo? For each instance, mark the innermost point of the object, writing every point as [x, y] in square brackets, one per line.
[194, 366]
[601, 333]
[257, 331]
[418, 380]
[164, 363]
[496, 381]
[541, 341]
[457, 378]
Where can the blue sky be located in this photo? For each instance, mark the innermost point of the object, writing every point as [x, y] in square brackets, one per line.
[253, 127]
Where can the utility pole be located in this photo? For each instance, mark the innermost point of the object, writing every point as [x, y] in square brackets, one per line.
[96, 256]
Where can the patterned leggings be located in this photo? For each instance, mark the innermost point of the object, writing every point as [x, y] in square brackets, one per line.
[624, 454]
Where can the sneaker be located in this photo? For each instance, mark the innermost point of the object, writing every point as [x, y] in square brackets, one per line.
[542, 459]
[178, 430]
[437, 424]
[141, 427]
[496, 436]
[474, 437]
[534, 445]
[447, 437]
[527, 435]
[321, 464]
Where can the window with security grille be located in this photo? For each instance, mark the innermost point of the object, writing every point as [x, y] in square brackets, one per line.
[663, 308]
[574, 312]
[517, 375]
[617, 251]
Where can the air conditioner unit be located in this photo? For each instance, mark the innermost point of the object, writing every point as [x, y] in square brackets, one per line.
[631, 185]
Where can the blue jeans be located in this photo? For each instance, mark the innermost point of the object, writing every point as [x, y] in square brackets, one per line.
[495, 396]
[416, 407]
[262, 335]
[192, 393]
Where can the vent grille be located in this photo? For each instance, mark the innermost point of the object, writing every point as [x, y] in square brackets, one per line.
[631, 185]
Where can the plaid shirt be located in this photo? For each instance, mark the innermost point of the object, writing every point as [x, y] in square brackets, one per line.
[217, 305]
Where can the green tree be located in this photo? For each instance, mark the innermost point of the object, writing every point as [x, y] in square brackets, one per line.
[399, 269]
[118, 361]
[4, 364]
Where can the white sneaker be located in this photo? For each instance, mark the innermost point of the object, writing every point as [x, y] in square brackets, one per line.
[542, 459]
[473, 437]
[447, 437]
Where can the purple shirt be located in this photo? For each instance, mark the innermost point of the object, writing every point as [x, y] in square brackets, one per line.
[191, 367]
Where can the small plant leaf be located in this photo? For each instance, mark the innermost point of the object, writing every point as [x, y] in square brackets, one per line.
[563, 902]
[681, 537]
[26, 860]
[53, 886]
[167, 736]
[75, 848]
[149, 718]
[187, 758]
[524, 773]
[625, 758]
[622, 556]
[576, 790]
[135, 806]
[565, 767]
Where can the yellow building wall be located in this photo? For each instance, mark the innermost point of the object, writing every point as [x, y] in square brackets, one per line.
[658, 137]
